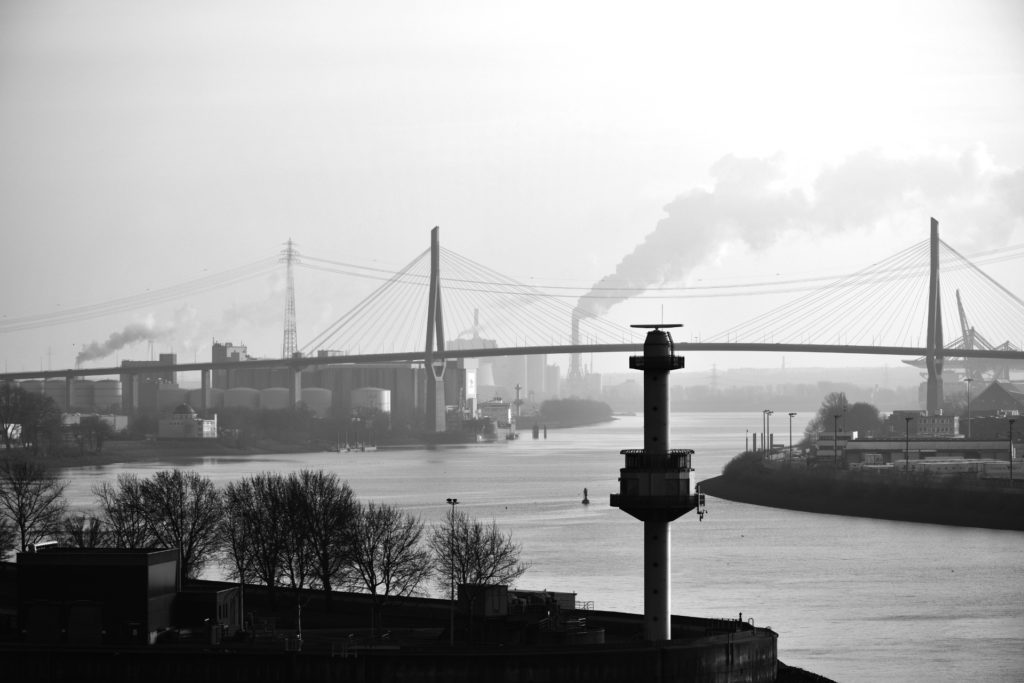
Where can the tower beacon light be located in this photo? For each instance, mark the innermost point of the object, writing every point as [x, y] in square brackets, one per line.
[654, 486]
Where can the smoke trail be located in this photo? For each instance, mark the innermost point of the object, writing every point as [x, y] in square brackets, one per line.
[131, 334]
[749, 202]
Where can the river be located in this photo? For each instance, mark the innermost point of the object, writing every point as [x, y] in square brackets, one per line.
[852, 599]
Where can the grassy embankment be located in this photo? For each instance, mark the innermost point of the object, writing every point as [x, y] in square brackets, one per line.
[951, 501]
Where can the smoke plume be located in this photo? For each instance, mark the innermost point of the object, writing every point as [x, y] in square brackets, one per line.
[749, 202]
[131, 334]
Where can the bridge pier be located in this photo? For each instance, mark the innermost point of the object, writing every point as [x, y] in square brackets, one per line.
[204, 389]
[436, 417]
[295, 387]
[934, 357]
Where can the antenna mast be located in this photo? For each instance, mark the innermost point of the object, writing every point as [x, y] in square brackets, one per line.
[290, 345]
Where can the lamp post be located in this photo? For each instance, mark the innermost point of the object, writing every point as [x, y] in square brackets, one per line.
[968, 381]
[791, 416]
[906, 449]
[764, 416]
[1011, 452]
[746, 440]
[451, 559]
[835, 442]
[766, 442]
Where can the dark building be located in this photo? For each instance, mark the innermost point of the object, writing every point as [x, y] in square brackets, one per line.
[86, 596]
[999, 398]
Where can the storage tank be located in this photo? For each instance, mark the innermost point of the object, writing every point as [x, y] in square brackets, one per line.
[54, 388]
[82, 394]
[214, 399]
[485, 375]
[32, 386]
[170, 397]
[106, 395]
[242, 397]
[274, 398]
[318, 400]
[373, 398]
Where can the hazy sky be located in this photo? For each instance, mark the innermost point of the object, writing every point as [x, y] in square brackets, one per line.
[147, 144]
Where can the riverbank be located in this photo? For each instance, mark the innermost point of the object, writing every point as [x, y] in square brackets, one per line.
[116, 451]
[950, 502]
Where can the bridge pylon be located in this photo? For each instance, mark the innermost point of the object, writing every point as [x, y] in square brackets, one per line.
[934, 357]
[435, 340]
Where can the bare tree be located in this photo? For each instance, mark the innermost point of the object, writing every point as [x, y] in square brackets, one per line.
[183, 510]
[474, 553]
[7, 537]
[326, 510]
[10, 412]
[31, 498]
[233, 534]
[296, 553]
[122, 513]
[254, 506]
[91, 433]
[37, 416]
[82, 531]
[387, 553]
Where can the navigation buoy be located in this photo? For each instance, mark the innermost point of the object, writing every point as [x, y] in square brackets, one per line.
[586, 501]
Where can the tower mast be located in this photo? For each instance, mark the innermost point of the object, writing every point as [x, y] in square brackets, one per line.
[654, 486]
[289, 346]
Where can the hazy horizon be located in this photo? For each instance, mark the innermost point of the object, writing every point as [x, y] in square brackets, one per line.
[690, 163]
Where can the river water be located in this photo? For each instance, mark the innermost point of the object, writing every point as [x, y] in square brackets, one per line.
[852, 599]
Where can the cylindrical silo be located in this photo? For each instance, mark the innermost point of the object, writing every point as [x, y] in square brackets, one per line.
[318, 400]
[372, 398]
[170, 397]
[82, 395]
[214, 398]
[242, 397]
[32, 386]
[54, 388]
[106, 395]
[274, 398]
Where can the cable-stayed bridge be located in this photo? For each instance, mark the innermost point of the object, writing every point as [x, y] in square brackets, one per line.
[442, 306]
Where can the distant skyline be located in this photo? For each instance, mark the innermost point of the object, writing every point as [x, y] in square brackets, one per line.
[563, 144]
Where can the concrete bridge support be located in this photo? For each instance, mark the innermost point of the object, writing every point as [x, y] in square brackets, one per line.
[204, 389]
[435, 421]
[933, 358]
[294, 387]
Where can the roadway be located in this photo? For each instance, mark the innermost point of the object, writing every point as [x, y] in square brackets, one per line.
[299, 363]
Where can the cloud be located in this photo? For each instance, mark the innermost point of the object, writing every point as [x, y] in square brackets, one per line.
[750, 201]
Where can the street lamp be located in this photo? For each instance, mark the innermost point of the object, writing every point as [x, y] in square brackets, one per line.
[746, 440]
[906, 450]
[835, 442]
[764, 416]
[451, 559]
[968, 381]
[766, 441]
[791, 416]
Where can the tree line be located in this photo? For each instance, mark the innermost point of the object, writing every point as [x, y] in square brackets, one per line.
[302, 530]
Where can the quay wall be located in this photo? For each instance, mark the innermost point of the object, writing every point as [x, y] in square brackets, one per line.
[746, 657]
